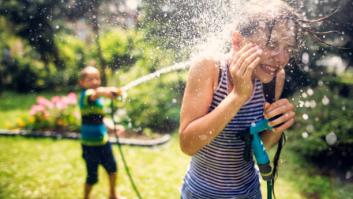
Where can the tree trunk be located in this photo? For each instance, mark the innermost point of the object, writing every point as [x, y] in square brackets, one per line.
[99, 49]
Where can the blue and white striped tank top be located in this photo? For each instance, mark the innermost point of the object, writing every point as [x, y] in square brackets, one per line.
[218, 170]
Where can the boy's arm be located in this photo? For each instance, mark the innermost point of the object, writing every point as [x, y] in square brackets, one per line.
[109, 92]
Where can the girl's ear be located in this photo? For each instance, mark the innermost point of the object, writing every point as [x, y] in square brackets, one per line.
[237, 40]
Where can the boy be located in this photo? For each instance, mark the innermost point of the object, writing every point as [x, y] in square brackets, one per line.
[94, 137]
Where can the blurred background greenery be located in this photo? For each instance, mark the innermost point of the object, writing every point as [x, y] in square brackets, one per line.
[44, 44]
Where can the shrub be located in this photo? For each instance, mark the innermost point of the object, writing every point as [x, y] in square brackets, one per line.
[154, 105]
[324, 128]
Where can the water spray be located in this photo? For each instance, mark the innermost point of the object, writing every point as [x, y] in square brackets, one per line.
[168, 69]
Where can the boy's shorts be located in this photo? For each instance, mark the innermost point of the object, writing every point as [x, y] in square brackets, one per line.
[95, 155]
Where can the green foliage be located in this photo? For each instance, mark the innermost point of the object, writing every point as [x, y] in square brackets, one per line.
[322, 116]
[21, 68]
[128, 52]
[119, 49]
[75, 54]
[33, 21]
[155, 104]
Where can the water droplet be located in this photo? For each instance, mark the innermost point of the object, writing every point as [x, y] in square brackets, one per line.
[203, 137]
[301, 103]
[349, 174]
[305, 134]
[331, 138]
[305, 58]
[310, 128]
[312, 103]
[325, 100]
[310, 92]
[307, 104]
[343, 108]
[305, 116]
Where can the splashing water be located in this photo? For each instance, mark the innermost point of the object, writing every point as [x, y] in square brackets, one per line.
[305, 135]
[210, 29]
[204, 29]
[331, 138]
[325, 100]
[156, 74]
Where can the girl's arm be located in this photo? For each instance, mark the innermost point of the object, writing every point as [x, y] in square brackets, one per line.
[281, 106]
[197, 126]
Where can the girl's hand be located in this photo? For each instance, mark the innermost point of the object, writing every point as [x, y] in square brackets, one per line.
[241, 69]
[285, 110]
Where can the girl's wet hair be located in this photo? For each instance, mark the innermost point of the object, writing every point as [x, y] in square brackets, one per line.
[265, 14]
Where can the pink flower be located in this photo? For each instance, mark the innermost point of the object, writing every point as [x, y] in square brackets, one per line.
[44, 102]
[37, 109]
[72, 98]
[61, 105]
[55, 99]
[33, 110]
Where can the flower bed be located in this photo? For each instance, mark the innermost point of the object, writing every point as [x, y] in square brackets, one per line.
[59, 114]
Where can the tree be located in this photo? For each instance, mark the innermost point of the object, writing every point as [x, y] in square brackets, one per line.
[33, 20]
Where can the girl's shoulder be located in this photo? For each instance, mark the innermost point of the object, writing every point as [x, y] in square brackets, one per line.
[207, 67]
[204, 71]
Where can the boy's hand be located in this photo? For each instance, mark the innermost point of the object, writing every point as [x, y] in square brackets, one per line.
[112, 92]
[282, 108]
[117, 91]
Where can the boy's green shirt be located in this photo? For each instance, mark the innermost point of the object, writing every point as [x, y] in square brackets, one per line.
[93, 130]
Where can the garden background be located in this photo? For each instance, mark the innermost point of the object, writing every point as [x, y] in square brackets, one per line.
[44, 44]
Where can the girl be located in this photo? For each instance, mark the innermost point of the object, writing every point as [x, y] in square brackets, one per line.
[224, 97]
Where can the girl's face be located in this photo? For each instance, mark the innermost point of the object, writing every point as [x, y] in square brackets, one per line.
[277, 48]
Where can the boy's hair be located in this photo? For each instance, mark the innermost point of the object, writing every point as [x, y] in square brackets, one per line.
[86, 70]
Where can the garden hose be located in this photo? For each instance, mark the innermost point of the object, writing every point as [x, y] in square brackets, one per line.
[122, 153]
[260, 153]
[269, 189]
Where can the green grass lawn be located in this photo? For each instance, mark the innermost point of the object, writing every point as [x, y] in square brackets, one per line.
[47, 168]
